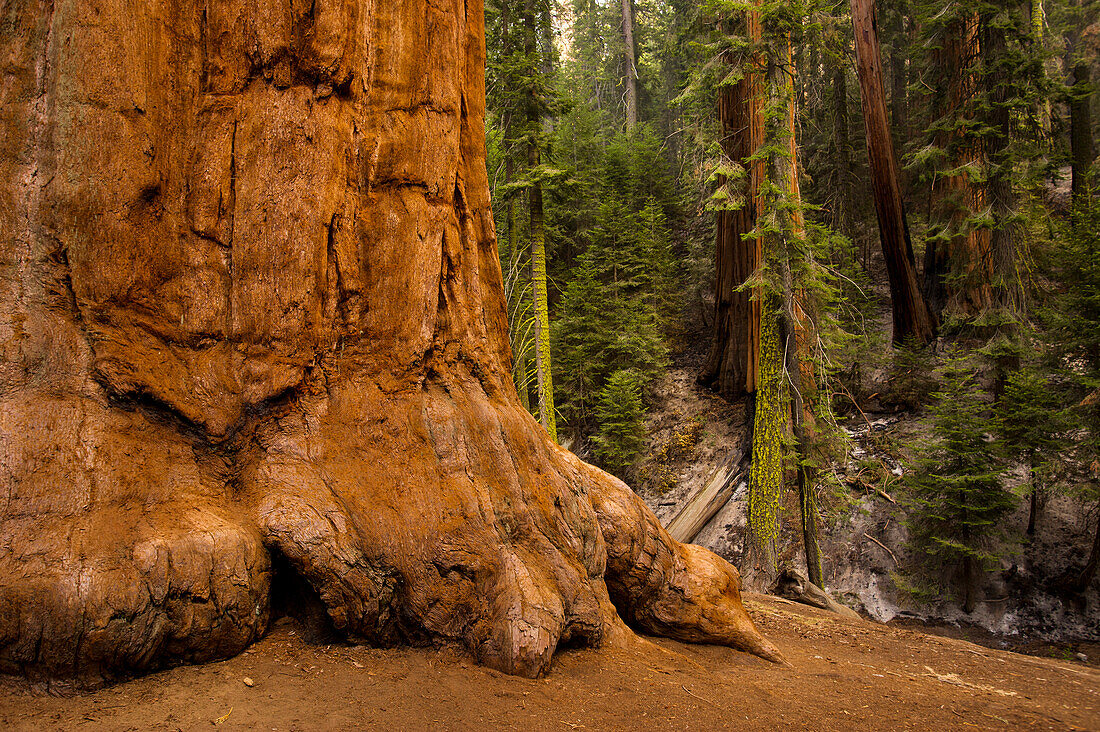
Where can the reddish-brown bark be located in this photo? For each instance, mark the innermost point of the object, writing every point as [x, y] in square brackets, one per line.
[252, 307]
[958, 266]
[911, 316]
[730, 368]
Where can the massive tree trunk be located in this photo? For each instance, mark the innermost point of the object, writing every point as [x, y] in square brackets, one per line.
[252, 307]
[1007, 293]
[958, 256]
[911, 316]
[730, 368]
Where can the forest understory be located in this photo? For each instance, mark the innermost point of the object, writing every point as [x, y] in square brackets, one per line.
[864, 537]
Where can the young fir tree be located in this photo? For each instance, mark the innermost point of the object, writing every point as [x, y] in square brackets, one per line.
[613, 318]
[956, 500]
[620, 435]
[1029, 420]
[1073, 319]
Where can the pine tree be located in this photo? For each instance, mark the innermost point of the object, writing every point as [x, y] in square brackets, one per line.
[614, 311]
[1073, 320]
[956, 499]
[620, 437]
[1029, 420]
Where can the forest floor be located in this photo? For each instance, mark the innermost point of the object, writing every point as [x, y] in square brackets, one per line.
[845, 675]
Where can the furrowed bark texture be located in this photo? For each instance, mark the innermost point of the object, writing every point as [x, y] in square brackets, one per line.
[251, 306]
[731, 365]
[958, 262]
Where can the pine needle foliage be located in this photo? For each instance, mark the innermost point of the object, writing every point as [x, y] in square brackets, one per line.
[620, 410]
[956, 499]
[614, 313]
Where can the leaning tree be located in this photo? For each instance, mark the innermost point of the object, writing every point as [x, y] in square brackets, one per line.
[252, 316]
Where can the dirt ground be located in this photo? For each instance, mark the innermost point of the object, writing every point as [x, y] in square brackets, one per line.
[845, 675]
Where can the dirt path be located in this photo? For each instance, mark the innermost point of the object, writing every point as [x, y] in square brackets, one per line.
[845, 675]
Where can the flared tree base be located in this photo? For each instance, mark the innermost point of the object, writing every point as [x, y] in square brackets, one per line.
[440, 514]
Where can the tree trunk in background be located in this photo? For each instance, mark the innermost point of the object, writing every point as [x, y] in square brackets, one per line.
[730, 368]
[970, 581]
[1089, 572]
[513, 281]
[1033, 485]
[899, 85]
[253, 307]
[1038, 38]
[519, 332]
[842, 217]
[958, 261]
[544, 379]
[1006, 292]
[1080, 120]
[630, 70]
[911, 316]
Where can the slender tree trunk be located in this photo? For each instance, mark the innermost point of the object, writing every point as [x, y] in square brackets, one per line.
[970, 576]
[520, 332]
[1080, 118]
[1033, 512]
[518, 320]
[793, 364]
[842, 217]
[1089, 572]
[1038, 39]
[899, 82]
[772, 409]
[912, 318]
[543, 372]
[537, 233]
[731, 366]
[630, 68]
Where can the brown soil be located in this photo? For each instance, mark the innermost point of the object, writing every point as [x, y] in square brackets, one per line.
[845, 675]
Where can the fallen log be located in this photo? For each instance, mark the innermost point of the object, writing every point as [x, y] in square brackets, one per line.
[704, 504]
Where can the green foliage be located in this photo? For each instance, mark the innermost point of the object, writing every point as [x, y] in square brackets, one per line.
[912, 378]
[1030, 417]
[614, 310]
[1072, 317]
[620, 410]
[955, 498]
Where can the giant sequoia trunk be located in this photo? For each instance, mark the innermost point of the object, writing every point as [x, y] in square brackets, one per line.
[252, 307]
[731, 366]
[958, 260]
